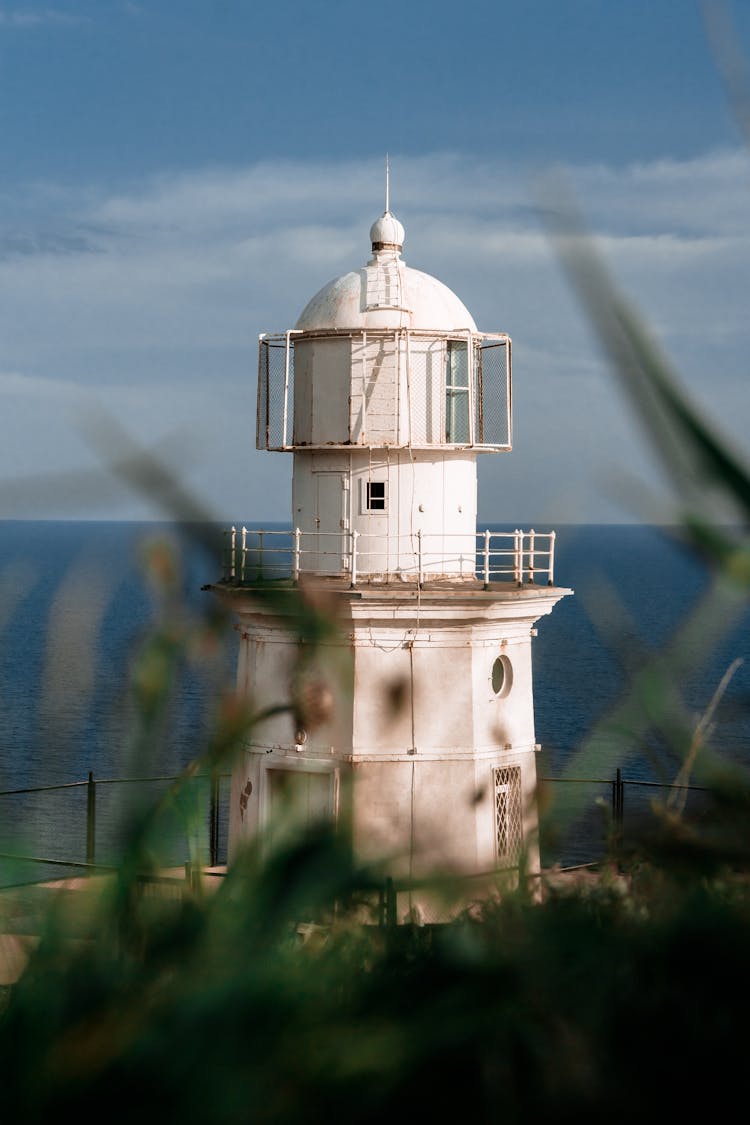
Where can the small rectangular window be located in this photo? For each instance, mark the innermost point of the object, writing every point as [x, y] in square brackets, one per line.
[376, 496]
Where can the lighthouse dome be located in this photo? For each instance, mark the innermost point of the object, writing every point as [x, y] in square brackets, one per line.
[386, 293]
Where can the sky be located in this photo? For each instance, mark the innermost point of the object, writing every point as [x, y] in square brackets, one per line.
[179, 176]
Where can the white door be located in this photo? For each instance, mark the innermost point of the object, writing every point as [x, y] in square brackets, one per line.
[295, 800]
[331, 522]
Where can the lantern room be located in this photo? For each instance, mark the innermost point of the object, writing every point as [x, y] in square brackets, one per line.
[385, 391]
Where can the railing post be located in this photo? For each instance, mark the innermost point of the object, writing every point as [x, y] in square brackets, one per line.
[532, 533]
[353, 557]
[91, 819]
[551, 578]
[243, 556]
[232, 549]
[487, 558]
[213, 824]
[295, 565]
[260, 553]
[419, 556]
[517, 560]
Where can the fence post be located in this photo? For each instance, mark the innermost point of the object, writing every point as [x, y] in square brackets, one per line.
[91, 819]
[532, 534]
[618, 800]
[487, 559]
[614, 798]
[213, 824]
[517, 557]
[391, 910]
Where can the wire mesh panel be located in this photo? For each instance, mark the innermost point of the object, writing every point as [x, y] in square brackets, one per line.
[492, 373]
[381, 408]
[508, 815]
[426, 390]
[440, 395]
[275, 392]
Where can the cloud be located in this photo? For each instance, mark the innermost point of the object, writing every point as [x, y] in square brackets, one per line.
[42, 18]
[14, 245]
[15, 383]
[152, 296]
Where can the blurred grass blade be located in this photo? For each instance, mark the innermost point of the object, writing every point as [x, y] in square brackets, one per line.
[710, 478]
[70, 672]
[730, 61]
[146, 474]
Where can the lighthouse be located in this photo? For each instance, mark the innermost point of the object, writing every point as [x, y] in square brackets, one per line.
[412, 722]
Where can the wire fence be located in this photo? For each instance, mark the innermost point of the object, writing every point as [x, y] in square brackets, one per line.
[77, 834]
[81, 825]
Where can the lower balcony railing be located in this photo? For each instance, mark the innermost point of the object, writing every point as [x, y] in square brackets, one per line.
[258, 554]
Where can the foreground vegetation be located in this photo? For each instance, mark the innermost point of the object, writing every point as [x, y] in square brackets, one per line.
[624, 1004]
[272, 996]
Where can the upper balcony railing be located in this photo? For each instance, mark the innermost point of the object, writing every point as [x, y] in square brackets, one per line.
[399, 388]
[254, 555]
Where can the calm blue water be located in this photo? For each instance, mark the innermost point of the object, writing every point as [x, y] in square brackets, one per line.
[74, 607]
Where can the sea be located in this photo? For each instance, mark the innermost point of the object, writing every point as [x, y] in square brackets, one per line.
[79, 601]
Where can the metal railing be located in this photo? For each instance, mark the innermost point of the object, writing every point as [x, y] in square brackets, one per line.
[258, 554]
[92, 784]
[618, 785]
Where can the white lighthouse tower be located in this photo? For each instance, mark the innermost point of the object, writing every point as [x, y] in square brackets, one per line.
[413, 722]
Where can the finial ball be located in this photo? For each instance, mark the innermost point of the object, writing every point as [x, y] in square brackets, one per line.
[387, 233]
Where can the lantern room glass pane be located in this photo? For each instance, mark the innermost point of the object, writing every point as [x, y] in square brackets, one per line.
[457, 392]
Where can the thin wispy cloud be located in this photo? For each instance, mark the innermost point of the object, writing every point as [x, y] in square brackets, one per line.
[23, 244]
[152, 297]
[24, 385]
[44, 17]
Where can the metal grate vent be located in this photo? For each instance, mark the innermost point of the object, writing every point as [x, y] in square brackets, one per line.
[508, 814]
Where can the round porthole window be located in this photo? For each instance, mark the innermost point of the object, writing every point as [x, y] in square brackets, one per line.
[502, 676]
